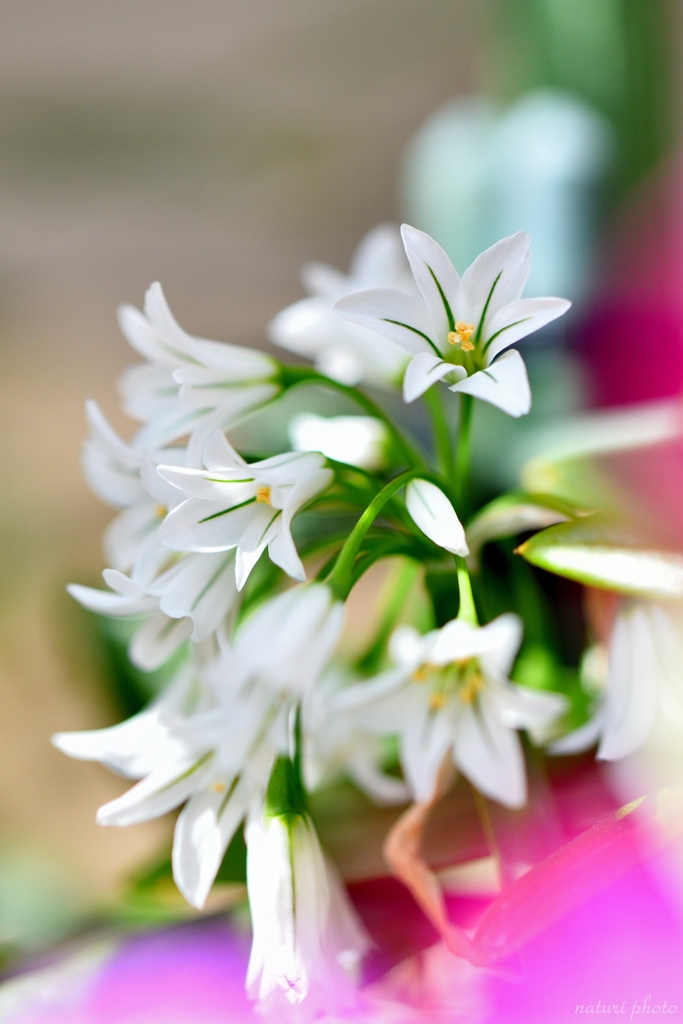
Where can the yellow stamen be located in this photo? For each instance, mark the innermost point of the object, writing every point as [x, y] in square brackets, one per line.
[263, 495]
[420, 674]
[161, 511]
[461, 336]
[437, 700]
[471, 688]
[218, 787]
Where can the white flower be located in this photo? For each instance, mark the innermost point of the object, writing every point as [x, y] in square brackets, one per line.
[188, 601]
[180, 598]
[358, 440]
[214, 744]
[234, 504]
[457, 329]
[433, 513]
[645, 680]
[306, 937]
[189, 385]
[346, 352]
[125, 478]
[450, 692]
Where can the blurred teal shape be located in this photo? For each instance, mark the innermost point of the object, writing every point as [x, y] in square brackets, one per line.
[619, 56]
[39, 904]
[473, 174]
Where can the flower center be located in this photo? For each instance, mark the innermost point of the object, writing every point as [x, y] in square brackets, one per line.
[263, 495]
[461, 336]
[461, 679]
[161, 511]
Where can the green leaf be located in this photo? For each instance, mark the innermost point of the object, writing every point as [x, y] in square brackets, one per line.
[512, 514]
[611, 556]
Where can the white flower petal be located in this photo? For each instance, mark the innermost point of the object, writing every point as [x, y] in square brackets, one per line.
[159, 793]
[434, 514]
[157, 640]
[321, 279]
[384, 790]
[208, 822]
[504, 384]
[201, 587]
[489, 754]
[169, 426]
[146, 337]
[117, 747]
[523, 708]
[130, 542]
[583, 738]
[165, 494]
[148, 392]
[263, 527]
[111, 467]
[120, 605]
[281, 548]
[302, 627]
[228, 414]
[379, 260]
[495, 644]
[667, 623]
[436, 277]
[200, 525]
[424, 743]
[229, 487]
[407, 647]
[362, 696]
[219, 453]
[509, 261]
[400, 317]
[501, 640]
[520, 318]
[423, 371]
[631, 697]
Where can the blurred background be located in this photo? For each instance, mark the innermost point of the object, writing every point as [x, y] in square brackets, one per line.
[216, 146]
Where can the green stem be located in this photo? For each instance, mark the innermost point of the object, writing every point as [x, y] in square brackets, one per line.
[296, 376]
[444, 448]
[341, 578]
[468, 611]
[462, 467]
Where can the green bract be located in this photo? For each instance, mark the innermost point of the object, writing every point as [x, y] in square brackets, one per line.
[604, 554]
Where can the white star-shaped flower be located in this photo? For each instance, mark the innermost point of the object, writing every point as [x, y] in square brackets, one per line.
[179, 598]
[347, 352]
[211, 740]
[188, 386]
[456, 329]
[247, 506]
[125, 477]
[450, 694]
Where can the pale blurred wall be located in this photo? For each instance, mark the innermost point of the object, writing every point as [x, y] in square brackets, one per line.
[214, 145]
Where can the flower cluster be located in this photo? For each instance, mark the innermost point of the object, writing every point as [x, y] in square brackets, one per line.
[210, 556]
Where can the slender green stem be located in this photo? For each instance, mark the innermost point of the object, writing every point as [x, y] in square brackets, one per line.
[341, 578]
[468, 611]
[442, 440]
[462, 467]
[296, 376]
